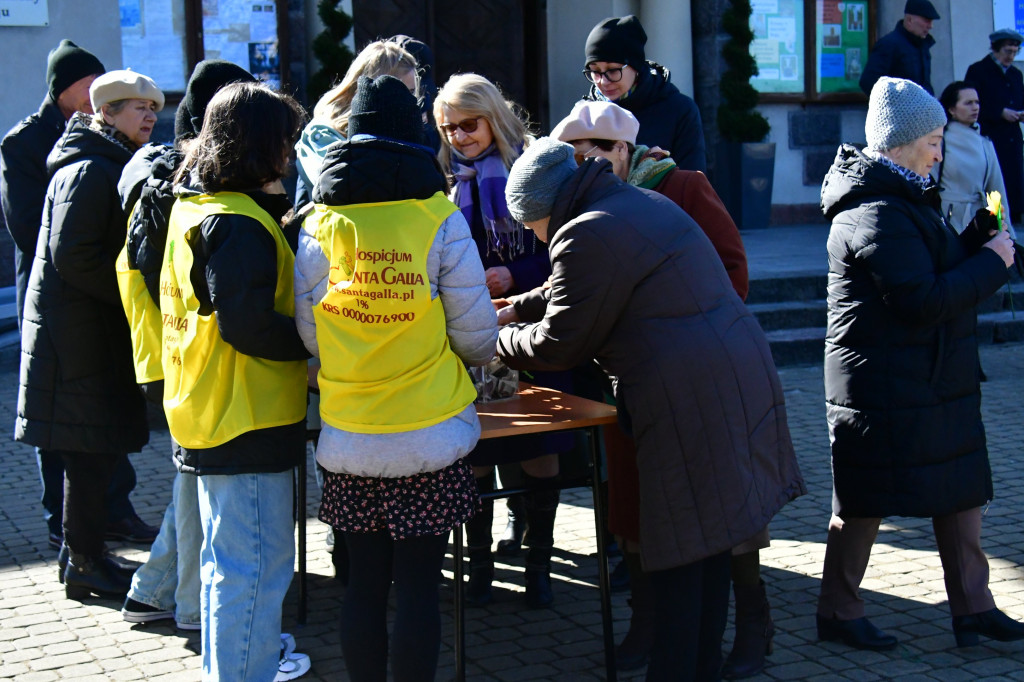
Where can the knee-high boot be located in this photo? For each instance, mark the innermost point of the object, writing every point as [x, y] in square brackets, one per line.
[478, 547]
[541, 506]
[635, 649]
[754, 632]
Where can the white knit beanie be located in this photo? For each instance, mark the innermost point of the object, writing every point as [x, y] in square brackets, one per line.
[899, 112]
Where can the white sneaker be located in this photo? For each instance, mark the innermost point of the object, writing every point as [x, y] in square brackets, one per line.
[287, 644]
[292, 666]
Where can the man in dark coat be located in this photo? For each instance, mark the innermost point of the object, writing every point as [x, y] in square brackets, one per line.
[906, 51]
[70, 71]
[1000, 87]
[617, 67]
[903, 401]
[694, 380]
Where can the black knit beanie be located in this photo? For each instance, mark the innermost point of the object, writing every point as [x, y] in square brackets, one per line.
[385, 108]
[619, 40]
[209, 76]
[67, 64]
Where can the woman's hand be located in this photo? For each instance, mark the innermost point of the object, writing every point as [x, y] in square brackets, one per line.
[1011, 115]
[499, 281]
[507, 315]
[1002, 245]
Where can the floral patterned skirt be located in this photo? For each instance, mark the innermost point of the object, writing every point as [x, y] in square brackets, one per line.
[425, 504]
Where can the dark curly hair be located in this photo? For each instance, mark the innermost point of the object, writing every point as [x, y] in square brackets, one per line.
[248, 133]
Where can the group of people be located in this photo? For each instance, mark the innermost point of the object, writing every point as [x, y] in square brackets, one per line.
[432, 230]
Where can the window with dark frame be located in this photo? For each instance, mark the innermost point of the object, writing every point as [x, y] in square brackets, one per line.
[811, 50]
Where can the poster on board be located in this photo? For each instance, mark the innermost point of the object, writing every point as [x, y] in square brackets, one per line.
[24, 13]
[1009, 14]
[778, 45]
[841, 44]
[244, 32]
[153, 41]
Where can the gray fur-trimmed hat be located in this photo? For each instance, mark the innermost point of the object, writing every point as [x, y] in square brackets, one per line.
[536, 178]
[899, 112]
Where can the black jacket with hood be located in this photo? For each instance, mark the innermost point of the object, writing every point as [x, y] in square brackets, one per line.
[901, 357]
[78, 389]
[668, 118]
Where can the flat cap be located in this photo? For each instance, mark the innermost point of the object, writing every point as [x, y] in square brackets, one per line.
[1005, 34]
[921, 8]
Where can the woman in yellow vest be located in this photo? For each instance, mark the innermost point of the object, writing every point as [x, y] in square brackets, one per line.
[235, 370]
[390, 295]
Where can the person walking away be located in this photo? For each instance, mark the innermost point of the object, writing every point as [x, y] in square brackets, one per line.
[905, 52]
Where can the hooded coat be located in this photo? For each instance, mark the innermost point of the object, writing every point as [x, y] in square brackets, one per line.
[668, 118]
[901, 357]
[77, 387]
[694, 379]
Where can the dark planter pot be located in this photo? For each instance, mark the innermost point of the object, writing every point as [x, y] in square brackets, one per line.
[744, 181]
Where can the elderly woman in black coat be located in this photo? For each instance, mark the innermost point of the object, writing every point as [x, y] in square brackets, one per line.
[901, 367]
[694, 380]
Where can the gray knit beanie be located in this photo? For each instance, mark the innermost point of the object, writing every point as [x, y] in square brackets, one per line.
[899, 112]
[536, 178]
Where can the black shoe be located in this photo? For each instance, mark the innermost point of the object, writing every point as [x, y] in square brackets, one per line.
[511, 541]
[131, 529]
[538, 588]
[90, 575]
[127, 567]
[619, 579]
[477, 590]
[55, 540]
[754, 633]
[137, 612]
[858, 633]
[993, 623]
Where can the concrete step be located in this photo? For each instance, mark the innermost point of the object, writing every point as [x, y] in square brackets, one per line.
[789, 314]
[787, 288]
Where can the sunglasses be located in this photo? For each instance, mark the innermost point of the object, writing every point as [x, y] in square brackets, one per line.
[466, 125]
[603, 145]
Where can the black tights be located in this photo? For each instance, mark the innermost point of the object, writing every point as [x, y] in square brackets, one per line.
[692, 606]
[86, 479]
[415, 564]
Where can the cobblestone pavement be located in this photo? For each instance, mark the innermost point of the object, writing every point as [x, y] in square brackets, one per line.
[44, 636]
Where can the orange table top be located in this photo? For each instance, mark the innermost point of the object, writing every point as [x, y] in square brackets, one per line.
[536, 409]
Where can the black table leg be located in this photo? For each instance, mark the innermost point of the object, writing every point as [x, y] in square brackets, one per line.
[602, 557]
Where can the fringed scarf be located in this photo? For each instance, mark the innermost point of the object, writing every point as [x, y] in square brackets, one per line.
[489, 174]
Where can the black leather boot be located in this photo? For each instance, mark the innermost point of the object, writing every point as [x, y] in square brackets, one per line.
[754, 632]
[121, 564]
[993, 624]
[85, 575]
[635, 649]
[478, 547]
[541, 506]
[511, 541]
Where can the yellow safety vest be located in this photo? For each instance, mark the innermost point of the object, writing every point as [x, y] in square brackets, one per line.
[213, 393]
[143, 318]
[386, 365]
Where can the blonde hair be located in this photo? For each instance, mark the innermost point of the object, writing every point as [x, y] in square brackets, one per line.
[475, 95]
[379, 58]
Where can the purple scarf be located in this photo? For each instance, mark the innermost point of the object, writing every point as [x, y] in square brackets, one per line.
[504, 234]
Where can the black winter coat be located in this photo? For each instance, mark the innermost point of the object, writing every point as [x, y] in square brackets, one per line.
[901, 357]
[78, 389]
[899, 54]
[998, 91]
[234, 276]
[637, 286]
[23, 182]
[668, 118]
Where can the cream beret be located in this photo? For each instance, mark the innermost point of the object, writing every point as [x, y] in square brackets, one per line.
[597, 121]
[124, 84]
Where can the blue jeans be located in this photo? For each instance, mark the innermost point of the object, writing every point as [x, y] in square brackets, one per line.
[246, 568]
[169, 580]
[51, 475]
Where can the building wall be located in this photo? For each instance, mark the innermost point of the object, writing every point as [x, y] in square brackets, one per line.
[93, 25]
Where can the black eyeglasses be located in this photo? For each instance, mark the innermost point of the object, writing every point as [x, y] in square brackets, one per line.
[466, 125]
[611, 75]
